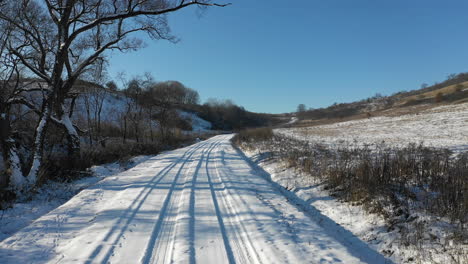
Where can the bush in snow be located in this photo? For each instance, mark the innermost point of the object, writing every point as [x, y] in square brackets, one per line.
[393, 182]
[439, 97]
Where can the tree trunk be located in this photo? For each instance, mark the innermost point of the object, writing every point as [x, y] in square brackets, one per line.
[88, 115]
[136, 128]
[125, 130]
[13, 176]
[3, 135]
[73, 144]
[38, 147]
[151, 130]
[101, 104]
[151, 123]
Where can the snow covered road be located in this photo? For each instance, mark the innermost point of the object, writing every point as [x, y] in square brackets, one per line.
[205, 203]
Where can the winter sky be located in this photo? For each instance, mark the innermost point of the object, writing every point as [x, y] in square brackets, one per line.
[271, 55]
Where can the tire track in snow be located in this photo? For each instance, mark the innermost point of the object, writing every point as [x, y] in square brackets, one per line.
[205, 231]
[184, 233]
[219, 216]
[157, 227]
[132, 210]
[245, 249]
[164, 246]
[191, 227]
[271, 251]
[162, 252]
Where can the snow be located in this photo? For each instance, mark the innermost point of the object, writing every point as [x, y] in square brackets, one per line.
[113, 106]
[198, 124]
[53, 194]
[69, 125]
[205, 203]
[17, 180]
[353, 219]
[444, 126]
[357, 223]
[292, 121]
[32, 176]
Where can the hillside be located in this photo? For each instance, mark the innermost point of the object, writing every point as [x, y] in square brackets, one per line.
[443, 126]
[451, 91]
[455, 93]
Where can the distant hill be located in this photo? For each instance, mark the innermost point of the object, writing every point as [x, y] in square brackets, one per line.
[454, 90]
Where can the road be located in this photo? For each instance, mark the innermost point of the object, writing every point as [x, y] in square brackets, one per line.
[205, 203]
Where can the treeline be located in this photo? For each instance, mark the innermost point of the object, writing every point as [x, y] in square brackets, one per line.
[157, 102]
[145, 111]
[225, 115]
[110, 124]
[142, 116]
[335, 111]
[169, 97]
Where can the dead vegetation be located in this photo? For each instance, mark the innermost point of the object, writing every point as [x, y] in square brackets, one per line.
[400, 184]
[255, 135]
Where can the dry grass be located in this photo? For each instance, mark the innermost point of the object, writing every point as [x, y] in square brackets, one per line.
[391, 112]
[254, 135]
[432, 94]
[387, 181]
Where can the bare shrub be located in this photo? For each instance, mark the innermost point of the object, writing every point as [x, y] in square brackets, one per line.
[255, 135]
[410, 102]
[439, 97]
[384, 180]
[58, 167]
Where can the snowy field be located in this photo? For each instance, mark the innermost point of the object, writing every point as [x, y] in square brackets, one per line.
[205, 203]
[444, 126]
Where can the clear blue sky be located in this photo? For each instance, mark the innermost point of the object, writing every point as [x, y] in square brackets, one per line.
[271, 55]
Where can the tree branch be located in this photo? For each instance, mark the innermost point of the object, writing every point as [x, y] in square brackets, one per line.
[132, 13]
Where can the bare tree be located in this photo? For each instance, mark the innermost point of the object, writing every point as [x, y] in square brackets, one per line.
[135, 113]
[301, 108]
[97, 93]
[58, 40]
[451, 76]
[191, 97]
[112, 86]
[164, 97]
[9, 86]
[86, 96]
